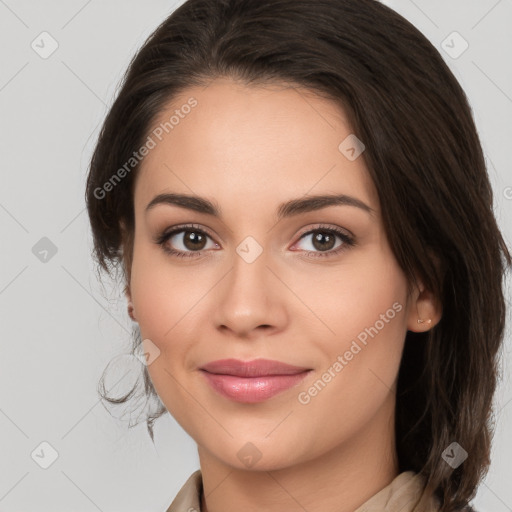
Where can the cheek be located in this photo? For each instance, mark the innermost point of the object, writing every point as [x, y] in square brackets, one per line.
[361, 361]
[348, 299]
[159, 294]
[352, 297]
[364, 306]
[163, 299]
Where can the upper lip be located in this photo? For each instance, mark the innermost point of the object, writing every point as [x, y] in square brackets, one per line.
[253, 368]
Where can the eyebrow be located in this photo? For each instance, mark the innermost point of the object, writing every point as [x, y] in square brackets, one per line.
[287, 209]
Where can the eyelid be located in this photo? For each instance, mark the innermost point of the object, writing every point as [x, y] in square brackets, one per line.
[166, 233]
[348, 239]
[302, 232]
[327, 227]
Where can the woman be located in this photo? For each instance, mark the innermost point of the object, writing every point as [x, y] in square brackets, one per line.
[297, 196]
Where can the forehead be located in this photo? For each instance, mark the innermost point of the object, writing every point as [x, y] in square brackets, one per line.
[276, 141]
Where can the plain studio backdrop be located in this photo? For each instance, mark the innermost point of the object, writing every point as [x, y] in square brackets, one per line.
[60, 328]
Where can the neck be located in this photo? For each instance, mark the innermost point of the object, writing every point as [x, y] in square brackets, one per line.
[341, 479]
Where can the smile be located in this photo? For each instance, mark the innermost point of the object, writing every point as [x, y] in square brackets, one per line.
[252, 381]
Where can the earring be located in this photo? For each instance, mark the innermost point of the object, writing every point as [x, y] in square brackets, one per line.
[130, 311]
[429, 321]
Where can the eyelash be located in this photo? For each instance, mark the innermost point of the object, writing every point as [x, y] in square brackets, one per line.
[161, 239]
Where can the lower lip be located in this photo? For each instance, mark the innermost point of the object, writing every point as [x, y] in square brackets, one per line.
[252, 389]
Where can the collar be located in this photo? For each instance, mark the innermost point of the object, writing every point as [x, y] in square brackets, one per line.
[402, 494]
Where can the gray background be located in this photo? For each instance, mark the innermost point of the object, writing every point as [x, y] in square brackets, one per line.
[60, 327]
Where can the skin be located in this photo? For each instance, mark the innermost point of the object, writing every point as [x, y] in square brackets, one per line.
[249, 149]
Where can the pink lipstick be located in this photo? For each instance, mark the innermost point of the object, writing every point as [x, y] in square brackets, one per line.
[252, 381]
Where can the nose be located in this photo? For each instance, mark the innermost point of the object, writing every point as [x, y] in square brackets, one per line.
[250, 299]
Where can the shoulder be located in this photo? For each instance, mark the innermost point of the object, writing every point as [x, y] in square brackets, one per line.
[189, 496]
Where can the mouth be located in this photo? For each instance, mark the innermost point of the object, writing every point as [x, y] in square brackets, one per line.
[252, 381]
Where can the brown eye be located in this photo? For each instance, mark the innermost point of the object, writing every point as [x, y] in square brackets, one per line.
[193, 240]
[185, 241]
[323, 242]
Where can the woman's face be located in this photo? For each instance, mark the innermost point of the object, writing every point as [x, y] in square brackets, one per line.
[266, 277]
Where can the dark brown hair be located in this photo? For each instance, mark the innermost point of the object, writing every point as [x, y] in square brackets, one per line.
[422, 152]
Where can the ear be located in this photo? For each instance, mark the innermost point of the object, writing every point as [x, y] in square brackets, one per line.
[425, 310]
[127, 273]
[128, 293]
[131, 309]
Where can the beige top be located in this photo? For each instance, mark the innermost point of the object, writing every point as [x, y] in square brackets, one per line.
[401, 495]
